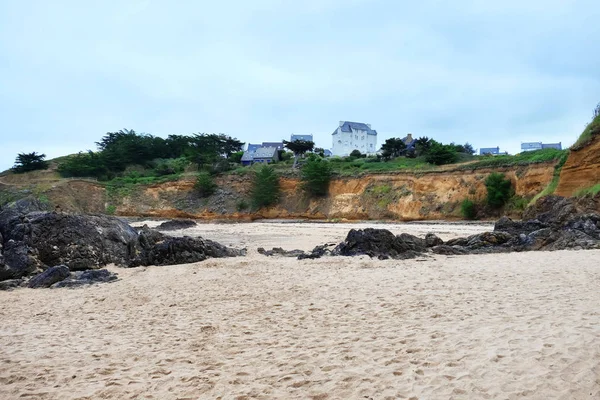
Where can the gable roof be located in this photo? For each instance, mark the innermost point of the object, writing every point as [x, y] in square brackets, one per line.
[348, 126]
[265, 152]
[252, 147]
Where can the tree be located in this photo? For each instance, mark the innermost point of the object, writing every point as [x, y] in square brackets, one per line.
[356, 153]
[265, 187]
[468, 209]
[499, 189]
[440, 154]
[422, 145]
[468, 149]
[299, 147]
[597, 111]
[26, 162]
[320, 151]
[392, 148]
[316, 175]
[205, 185]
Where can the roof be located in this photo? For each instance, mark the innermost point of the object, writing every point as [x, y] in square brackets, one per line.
[348, 126]
[278, 145]
[248, 156]
[308, 138]
[252, 147]
[265, 152]
[490, 150]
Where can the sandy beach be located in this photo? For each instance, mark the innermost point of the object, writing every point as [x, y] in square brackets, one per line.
[501, 326]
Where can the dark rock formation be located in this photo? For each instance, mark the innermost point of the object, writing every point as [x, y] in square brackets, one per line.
[10, 284]
[380, 243]
[432, 240]
[83, 278]
[278, 251]
[32, 240]
[176, 224]
[49, 277]
[159, 249]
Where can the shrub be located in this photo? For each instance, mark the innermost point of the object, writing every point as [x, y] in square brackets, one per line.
[205, 184]
[26, 162]
[315, 176]
[468, 209]
[242, 205]
[499, 189]
[356, 154]
[440, 154]
[265, 187]
[170, 166]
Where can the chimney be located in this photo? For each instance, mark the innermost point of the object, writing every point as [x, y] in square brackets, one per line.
[369, 125]
[342, 123]
[409, 137]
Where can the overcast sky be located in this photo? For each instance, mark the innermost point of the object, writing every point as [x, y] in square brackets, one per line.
[492, 73]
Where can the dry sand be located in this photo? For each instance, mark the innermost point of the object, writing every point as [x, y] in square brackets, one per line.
[505, 326]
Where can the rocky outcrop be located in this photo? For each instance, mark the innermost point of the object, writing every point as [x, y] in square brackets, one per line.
[176, 224]
[49, 277]
[33, 240]
[558, 225]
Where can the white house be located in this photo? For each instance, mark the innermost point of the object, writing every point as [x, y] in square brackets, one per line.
[351, 136]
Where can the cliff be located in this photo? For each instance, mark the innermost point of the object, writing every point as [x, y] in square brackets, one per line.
[582, 168]
[403, 196]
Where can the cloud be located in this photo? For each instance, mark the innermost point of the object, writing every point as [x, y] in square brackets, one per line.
[487, 73]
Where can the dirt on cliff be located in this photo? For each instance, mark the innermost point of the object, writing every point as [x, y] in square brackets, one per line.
[582, 168]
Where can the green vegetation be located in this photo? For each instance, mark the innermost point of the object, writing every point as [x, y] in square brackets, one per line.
[468, 209]
[593, 128]
[299, 148]
[499, 189]
[592, 190]
[111, 209]
[392, 148]
[265, 187]
[316, 175]
[440, 154]
[205, 184]
[117, 151]
[26, 162]
[555, 178]
[242, 205]
[524, 158]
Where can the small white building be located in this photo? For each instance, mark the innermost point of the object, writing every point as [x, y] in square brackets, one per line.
[351, 136]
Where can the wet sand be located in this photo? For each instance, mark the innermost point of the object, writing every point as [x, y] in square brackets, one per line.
[505, 326]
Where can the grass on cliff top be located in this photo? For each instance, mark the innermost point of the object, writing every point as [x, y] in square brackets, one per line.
[593, 128]
[524, 158]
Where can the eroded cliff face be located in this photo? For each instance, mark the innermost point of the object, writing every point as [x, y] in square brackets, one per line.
[581, 170]
[404, 196]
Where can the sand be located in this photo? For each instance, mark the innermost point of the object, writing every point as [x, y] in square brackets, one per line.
[504, 326]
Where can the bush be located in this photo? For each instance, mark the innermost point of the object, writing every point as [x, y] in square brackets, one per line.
[499, 189]
[26, 162]
[265, 187]
[315, 176]
[205, 184]
[356, 154]
[468, 209]
[169, 166]
[440, 154]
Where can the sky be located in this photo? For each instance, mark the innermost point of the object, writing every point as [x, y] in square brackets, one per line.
[483, 72]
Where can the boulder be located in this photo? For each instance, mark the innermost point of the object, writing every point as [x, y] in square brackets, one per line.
[278, 251]
[379, 243]
[507, 225]
[176, 224]
[432, 240]
[448, 250]
[83, 278]
[10, 284]
[159, 249]
[49, 277]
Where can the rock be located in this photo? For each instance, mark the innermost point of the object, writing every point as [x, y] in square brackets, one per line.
[507, 225]
[33, 239]
[379, 243]
[449, 250]
[278, 251]
[10, 284]
[159, 249]
[319, 251]
[176, 224]
[49, 277]
[82, 278]
[432, 240]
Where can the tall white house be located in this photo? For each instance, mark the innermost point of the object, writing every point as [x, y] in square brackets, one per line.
[351, 136]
